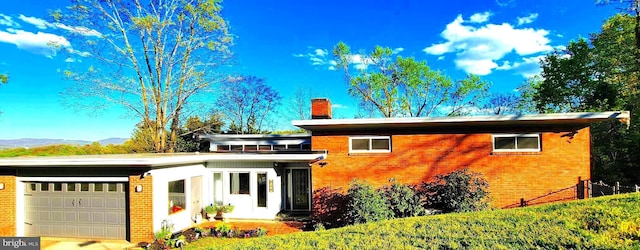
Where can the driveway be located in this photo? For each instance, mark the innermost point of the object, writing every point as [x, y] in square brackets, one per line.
[51, 243]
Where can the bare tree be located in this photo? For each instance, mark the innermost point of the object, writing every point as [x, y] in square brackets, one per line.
[247, 101]
[150, 57]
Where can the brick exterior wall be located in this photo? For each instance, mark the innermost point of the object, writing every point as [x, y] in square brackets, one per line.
[8, 205]
[420, 156]
[140, 209]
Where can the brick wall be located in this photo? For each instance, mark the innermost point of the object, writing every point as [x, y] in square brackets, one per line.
[140, 209]
[565, 157]
[8, 205]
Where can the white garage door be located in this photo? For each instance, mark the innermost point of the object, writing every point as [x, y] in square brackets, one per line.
[80, 210]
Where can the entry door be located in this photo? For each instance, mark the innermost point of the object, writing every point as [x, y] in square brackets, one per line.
[300, 195]
[196, 195]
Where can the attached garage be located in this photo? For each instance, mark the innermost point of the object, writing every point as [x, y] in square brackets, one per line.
[95, 210]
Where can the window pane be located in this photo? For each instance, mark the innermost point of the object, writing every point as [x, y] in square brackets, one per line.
[239, 183]
[84, 186]
[33, 186]
[359, 144]
[57, 186]
[293, 147]
[236, 147]
[222, 147]
[250, 147]
[279, 147]
[306, 147]
[98, 187]
[71, 187]
[113, 187]
[44, 186]
[529, 142]
[505, 142]
[264, 147]
[176, 196]
[262, 190]
[380, 144]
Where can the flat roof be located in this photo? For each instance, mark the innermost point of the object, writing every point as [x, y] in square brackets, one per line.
[414, 122]
[153, 160]
[252, 136]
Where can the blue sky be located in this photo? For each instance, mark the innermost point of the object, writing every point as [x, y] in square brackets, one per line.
[289, 44]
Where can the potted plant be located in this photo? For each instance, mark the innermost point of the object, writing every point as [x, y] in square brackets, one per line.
[225, 210]
[211, 211]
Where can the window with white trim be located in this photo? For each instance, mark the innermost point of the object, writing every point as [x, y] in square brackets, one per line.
[516, 143]
[370, 144]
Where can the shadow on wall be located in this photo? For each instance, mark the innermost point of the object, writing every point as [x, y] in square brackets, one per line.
[330, 206]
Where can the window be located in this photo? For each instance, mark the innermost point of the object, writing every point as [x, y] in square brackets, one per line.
[176, 196]
[84, 187]
[222, 147]
[279, 147]
[71, 187]
[250, 147]
[44, 186]
[372, 144]
[113, 187]
[264, 147]
[293, 147]
[516, 143]
[239, 183]
[236, 147]
[98, 187]
[57, 186]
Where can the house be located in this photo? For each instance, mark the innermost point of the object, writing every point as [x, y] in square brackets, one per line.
[523, 157]
[131, 196]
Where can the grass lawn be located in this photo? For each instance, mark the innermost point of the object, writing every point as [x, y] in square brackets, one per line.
[611, 222]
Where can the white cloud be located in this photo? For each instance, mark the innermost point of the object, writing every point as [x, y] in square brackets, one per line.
[39, 23]
[480, 17]
[528, 67]
[397, 50]
[477, 48]
[39, 43]
[331, 68]
[78, 29]
[8, 21]
[527, 19]
[338, 106]
[70, 60]
[321, 52]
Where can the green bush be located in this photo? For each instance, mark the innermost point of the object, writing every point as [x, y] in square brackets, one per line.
[458, 191]
[402, 200]
[365, 204]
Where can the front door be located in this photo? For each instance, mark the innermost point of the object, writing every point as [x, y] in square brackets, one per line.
[196, 195]
[300, 195]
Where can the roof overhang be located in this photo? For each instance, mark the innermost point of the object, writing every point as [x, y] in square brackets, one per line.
[462, 121]
[155, 160]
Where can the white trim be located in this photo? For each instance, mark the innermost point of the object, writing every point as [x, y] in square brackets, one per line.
[569, 118]
[74, 179]
[370, 150]
[515, 136]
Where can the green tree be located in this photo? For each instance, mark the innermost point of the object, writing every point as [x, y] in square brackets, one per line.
[404, 86]
[598, 74]
[151, 57]
[189, 138]
[4, 78]
[141, 140]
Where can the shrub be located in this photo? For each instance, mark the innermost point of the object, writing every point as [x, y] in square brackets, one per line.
[402, 200]
[329, 207]
[366, 204]
[458, 191]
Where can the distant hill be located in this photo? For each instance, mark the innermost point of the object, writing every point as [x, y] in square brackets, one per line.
[33, 142]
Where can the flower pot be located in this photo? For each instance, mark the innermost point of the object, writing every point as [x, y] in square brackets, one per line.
[211, 217]
[225, 216]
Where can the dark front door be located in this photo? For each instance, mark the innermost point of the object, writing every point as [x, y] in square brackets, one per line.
[300, 189]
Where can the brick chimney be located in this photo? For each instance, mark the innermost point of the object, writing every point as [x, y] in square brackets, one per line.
[320, 108]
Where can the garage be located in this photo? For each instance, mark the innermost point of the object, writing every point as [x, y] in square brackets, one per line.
[95, 210]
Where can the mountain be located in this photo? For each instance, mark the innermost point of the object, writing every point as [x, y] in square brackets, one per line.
[34, 142]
